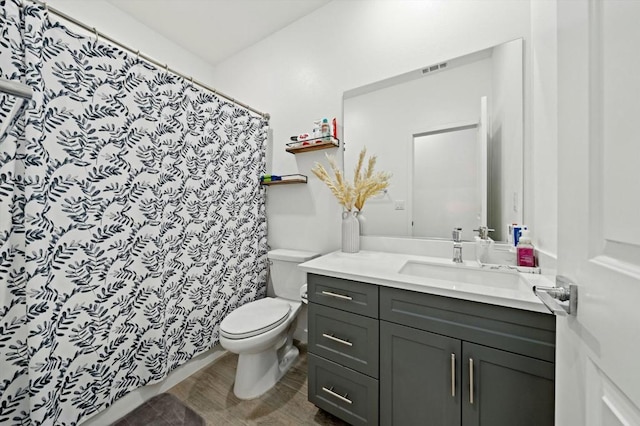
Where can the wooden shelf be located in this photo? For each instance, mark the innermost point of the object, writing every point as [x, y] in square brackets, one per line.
[314, 145]
[283, 182]
[287, 179]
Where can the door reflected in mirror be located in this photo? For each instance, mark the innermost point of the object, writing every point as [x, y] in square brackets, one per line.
[439, 205]
[412, 123]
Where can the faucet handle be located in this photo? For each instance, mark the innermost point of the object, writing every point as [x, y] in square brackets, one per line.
[483, 232]
[457, 234]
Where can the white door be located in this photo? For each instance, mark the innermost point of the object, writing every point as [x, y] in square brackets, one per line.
[445, 183]
[598, 351]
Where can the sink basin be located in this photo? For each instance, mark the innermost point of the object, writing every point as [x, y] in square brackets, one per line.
[463, 274]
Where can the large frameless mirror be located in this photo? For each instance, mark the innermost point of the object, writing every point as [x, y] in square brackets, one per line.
[452, 135]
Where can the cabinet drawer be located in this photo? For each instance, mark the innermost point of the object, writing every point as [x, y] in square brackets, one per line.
[343, 337]
[351, 296]
[343, 392]
[522, 332]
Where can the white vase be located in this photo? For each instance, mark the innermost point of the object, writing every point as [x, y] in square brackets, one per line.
[350, 232]
[362, 219]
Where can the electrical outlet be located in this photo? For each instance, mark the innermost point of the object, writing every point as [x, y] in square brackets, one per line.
[399, 204]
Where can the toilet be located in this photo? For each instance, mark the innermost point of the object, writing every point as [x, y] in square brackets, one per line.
[261, 332]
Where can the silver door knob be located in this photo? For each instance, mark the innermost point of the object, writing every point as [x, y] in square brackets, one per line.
[564, 291]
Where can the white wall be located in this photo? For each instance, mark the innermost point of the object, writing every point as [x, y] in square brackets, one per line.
[300, 73]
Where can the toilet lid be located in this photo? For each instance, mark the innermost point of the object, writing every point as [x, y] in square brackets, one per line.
[255, 318]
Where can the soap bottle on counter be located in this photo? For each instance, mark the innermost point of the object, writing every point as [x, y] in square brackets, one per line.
[525, 250]
[484, 244]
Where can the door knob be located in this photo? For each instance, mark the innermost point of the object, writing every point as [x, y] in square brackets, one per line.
[565, 291]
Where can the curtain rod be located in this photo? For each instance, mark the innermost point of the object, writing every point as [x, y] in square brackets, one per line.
[98, 34]
[15, 88]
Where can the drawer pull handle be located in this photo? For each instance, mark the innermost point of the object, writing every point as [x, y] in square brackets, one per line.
[339, 296]
[336, 339]
[336, 395]
[453, 375]
[470, 380]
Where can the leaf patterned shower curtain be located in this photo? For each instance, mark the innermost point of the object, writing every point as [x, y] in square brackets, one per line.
[131, 221]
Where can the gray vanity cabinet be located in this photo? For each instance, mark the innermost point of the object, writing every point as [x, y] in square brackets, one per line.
[459, 362]
[425, 379]
[398, 357]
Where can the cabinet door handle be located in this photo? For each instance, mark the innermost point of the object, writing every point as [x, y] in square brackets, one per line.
[339, 296]
[453, 375]
[336, 339]
[470, 380]
[336, 395]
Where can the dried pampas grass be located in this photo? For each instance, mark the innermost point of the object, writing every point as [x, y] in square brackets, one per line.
[366, 183]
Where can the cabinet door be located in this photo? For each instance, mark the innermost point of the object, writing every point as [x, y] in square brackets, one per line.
[419, 377]
[505, 389]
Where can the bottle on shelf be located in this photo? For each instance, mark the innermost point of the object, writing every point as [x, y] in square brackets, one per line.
[325, 129]
[316, 132]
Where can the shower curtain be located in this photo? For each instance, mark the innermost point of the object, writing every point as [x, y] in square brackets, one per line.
[131, 221]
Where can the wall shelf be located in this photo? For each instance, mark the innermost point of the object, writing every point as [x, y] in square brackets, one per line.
[312, 145]
[286, 180]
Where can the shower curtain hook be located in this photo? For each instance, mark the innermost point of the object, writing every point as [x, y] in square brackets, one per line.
[95, 31]
[166, 67]
[138, 56]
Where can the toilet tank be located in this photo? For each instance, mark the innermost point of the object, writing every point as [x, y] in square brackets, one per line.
[286, 277]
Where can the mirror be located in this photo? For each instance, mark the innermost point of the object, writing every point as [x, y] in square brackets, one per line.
[452, 135]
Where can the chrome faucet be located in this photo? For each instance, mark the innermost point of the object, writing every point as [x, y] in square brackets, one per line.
[457, 245]
[483, 232]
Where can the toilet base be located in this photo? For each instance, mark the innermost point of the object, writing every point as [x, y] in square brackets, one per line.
[257, 373]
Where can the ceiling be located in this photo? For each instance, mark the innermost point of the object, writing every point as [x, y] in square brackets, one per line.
[214, 30]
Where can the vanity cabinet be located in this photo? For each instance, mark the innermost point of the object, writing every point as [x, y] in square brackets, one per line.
[469, 363]
[343, 348]
[436, 360]
[425, 378]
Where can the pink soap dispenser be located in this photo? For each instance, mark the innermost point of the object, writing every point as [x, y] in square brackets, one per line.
[525, 250]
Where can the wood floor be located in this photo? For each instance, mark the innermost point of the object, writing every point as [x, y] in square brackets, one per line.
[210, 394]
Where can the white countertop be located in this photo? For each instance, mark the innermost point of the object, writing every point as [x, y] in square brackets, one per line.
[383, 268]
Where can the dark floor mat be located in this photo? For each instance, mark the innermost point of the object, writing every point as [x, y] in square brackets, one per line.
[162, 410]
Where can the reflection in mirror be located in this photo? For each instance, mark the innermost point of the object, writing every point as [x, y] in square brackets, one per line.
[439, 205]
[452, 135]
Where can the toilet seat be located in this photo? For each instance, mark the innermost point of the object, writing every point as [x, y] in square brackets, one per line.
[255, 318]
